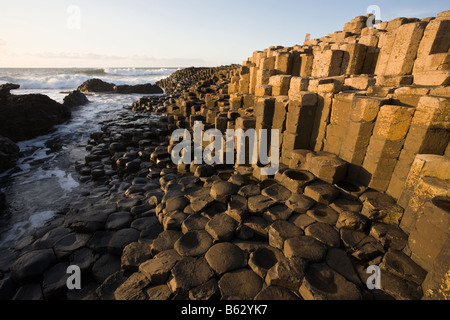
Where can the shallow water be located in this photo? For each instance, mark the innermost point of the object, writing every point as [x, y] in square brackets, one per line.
[44, 177]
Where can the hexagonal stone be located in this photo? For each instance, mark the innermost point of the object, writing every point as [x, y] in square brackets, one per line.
[399, 288]
[106, 290]
[305, 247]
[339, 260]
[174, 220]
[50, 238]
[105, 266]
[100, 240]
[241, 284]
[221, 227]
[301, 220]
[296, 180]
[54, 282]
[189, 273]
[84, 258]
[29, 292]
[280, 231]
[134, 254]
[277, 193]
[264, 258]
[259, 225]
[204, 292]
[222, 190]
[250, 190]
[176, 204]
[119, 220]
[327, 168]
[237, 208]
[158, 293]
[323, 214]
[194, 222]
[352, 220]
[324, 233]
[200, 203]
[224, 257]
[390, 236]
[165, 241]
[380, 207]
[193, 243]
[299, 203]
[32, 265]
[323, 283]
[321, 192]
[276, 293]
[287, 273]
[258, 204]
[350, 190]
[145, 223]
[157, 270]
[399, 264]
[341, 205]
[277, 212]
[121, 239]
[132, 288]
[69, 244]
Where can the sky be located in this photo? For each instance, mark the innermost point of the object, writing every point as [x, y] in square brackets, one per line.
[172, 33]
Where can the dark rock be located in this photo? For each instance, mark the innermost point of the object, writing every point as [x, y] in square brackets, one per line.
[322, 192]
[121, 239]
[324, 233]
[237, 208]
[250, 190]
[31, 265]
[264, 258]
[323, 283]
[158, 293]
[6, 88]
[109, 286]
[105, 266]
[84, 258]
[70, 243]
[323, 214]
[277, 193]
[54, 284]
[224, 257]
[132, 288]
[174, 220]
[301, 220]
[9, 154]
[42, 113]
[134, 255]
[221, 227]
[29, 292]
[273, 293]
[258, 204]
[51, 238]
[204, 292]
[352, 220]
[100, 240]
[338, 260]
[241, 284]
[401, 265]
[305, 247]
[194, 222]
[277, 212]
[399, 288]
[222, 190]
[7, 258]
[165, 241]
[75, 99]
[146, 223]
[7, 288]
[189, 273]
[390, 236]
[96, 85]
[300, 203]
[147, 88]
[280, 231]
[287, 273]
[157, 270]
[193, 243]
[119, 220]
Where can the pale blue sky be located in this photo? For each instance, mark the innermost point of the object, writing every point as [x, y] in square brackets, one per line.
[171, 33]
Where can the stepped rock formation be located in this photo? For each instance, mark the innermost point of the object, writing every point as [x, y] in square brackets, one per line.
[364, 120]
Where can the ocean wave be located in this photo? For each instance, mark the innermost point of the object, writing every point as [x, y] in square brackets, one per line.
[69, 79]
[137, 71]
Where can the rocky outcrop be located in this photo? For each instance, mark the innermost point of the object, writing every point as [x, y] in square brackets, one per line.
[9, 153]
[147, 88]
[97, 85]
[75, 99]
[23, 117]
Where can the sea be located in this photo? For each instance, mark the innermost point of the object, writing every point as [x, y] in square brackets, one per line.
[44, 177]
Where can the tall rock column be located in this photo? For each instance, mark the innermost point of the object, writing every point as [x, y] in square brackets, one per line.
[429, 134]
[385, 145]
